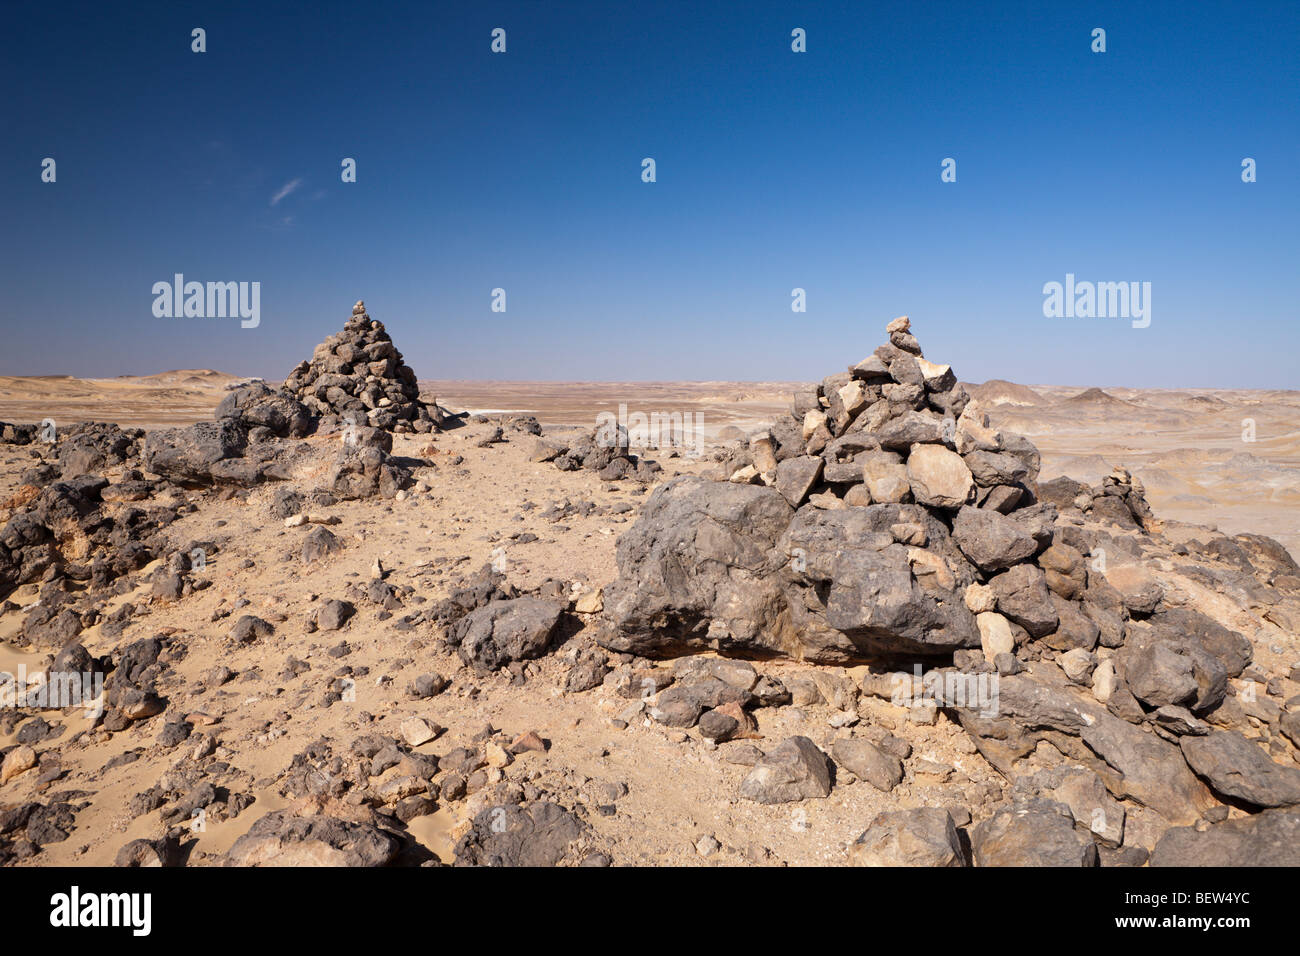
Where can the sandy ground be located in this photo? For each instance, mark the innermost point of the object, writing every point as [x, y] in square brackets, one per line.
[671, 783]
[668, 789]
[146, 401]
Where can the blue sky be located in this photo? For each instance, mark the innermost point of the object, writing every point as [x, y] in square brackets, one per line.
[775, 170]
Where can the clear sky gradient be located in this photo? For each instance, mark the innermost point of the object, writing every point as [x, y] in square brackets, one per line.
[776, 170]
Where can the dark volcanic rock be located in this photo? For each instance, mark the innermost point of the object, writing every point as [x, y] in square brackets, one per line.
[1182, 658]
[259, 405]
[334, 614]
[91, 446]
[504, 631]
[541, 834]
[698, 567]
[188, 455]
[1022, 596]
[250, 628]
[992, 541]
[852, 592]
[319, 543]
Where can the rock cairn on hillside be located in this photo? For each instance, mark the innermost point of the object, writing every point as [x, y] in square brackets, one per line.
[854, 526]
[356, 384]
[356, 387]
[883, 520]
[359, 374]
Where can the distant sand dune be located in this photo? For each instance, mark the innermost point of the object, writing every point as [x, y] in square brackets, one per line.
[1001, 392]
[1095, 396]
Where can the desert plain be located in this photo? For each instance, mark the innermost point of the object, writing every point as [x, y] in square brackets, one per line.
[1221, 457]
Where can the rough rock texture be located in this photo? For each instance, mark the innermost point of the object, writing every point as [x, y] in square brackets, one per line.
[1035, 833]
[868, 762]
[279, 839]
[68, 528]
[189, 455]
[1269, 838]
[925, 836]
[1093, 681]
[1238, 768]
[1131, 762]
[259, 405]
[541, 834]
[504, 631]
[842, 551]
[796, 770]
[699, 566]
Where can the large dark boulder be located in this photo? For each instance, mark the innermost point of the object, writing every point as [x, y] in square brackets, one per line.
[258, 404]
[503, 631]
[187, 455]
[731, 567]
[541, 834]
[698, 567]
[91, 446]
[991, 540]
[852, 593]
[1182, 657]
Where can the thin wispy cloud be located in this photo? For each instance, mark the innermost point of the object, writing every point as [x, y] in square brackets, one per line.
[285, 190]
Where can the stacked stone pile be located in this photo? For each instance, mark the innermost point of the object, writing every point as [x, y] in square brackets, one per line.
[359, 374]
[1120, 499]
[885, 521]
[356, 384]
[856, 526]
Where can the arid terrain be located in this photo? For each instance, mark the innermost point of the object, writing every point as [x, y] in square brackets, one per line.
[315, 657]
[1187, 445]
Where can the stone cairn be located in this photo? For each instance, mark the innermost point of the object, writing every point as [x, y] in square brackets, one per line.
[884, 521]
[897, 428]
[883, 514]
[358, 374]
